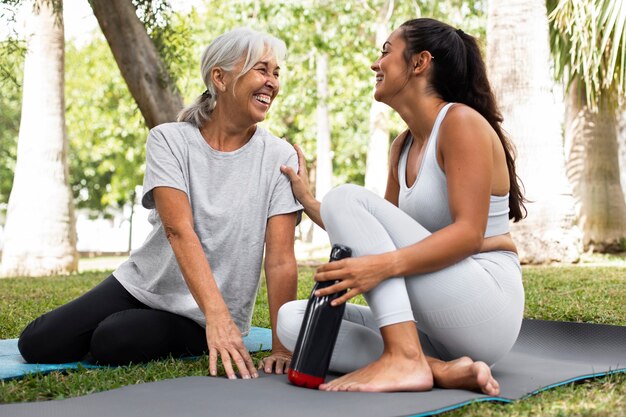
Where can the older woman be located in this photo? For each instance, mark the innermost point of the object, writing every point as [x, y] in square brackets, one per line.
[218, 199]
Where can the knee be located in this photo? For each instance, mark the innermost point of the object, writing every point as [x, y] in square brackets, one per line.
[112, 344]
[39, 342]
[31, 341]
[338, 196]
[337, 199]
[289, 322]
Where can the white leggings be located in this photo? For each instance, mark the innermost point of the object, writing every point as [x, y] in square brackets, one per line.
[472, 308]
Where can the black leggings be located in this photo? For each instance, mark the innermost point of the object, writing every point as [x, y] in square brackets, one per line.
[113, 326]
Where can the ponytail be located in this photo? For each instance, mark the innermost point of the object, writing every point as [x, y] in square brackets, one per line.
[198, 112]
[459, 75]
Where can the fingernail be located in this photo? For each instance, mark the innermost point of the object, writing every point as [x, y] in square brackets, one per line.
[232, 377]
[246, 377]
[255, 375]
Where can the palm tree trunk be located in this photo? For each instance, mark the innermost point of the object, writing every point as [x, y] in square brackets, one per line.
[378, 146]
[518, 63]
[140, 64]
[622, 149]
[40, 232]
[593, 169]
[324, 165]
[377, 166]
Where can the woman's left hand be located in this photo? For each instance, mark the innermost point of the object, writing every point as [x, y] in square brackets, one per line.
[279, 361]
[356, 275]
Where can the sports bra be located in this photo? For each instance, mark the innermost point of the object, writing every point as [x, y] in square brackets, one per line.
[426, 200]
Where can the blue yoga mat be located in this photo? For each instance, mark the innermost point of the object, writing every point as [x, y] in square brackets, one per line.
[12, 365]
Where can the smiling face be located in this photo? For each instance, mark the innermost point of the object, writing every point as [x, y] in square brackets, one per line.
[392, 72]
[248, 98]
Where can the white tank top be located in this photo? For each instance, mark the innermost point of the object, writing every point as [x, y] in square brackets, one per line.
[426, 200]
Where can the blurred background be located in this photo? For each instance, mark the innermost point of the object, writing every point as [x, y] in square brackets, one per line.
[82, 82]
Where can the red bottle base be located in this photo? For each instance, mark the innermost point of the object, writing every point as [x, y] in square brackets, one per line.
[304, 380]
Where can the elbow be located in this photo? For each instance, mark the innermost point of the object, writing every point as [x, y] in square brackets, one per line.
[281, 267]
[474, 238]
[476, 242]
[174, 232]
[283, 263]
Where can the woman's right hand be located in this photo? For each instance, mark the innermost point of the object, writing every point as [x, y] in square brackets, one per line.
[224, 339]
[299, 180]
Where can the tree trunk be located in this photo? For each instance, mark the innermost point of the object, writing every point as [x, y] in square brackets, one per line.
[324, 164]
[40, 232]
[138, 60]
[378, 146]
[518, 64]
[593, 169]
[621, 141]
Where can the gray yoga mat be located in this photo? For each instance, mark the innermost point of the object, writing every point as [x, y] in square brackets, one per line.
[546, 354]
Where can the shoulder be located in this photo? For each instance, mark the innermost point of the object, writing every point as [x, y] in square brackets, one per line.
[464, 125]
[173, 130]
[275, 145]
[176, 137]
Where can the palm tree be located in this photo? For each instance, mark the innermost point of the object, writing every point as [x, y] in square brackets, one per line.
[622, 150]
[378, 144]
[518, 63]
[40, 236]
[324, 165]
[588, 39]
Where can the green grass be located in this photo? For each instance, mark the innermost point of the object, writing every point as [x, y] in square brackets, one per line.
[577, 293]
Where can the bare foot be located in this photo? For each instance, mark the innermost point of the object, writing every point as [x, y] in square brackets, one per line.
[388, 373]
[464, 373]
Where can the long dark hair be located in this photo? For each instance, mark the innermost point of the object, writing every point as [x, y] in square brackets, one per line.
[459, 75]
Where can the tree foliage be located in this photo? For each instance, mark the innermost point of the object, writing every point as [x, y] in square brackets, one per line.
[105, 127]
[170, 32]
[588, 39]
[12, 51]
[11, 64]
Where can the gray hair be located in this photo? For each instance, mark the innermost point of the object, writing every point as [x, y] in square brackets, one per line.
[226, 51]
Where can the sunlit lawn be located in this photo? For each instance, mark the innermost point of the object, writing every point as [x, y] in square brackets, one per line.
[580, 293]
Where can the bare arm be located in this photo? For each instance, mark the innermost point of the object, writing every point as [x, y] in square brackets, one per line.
[281, 274]
[302, 190]
[223, 337]
[465, 150]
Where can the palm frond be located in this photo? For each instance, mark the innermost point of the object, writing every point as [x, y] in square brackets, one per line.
[614, 41]
[588, 44]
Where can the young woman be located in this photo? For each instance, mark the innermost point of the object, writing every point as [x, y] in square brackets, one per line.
[434, 259]
[218, 200]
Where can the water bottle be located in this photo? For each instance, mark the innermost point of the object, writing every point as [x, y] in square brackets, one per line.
[320, 326]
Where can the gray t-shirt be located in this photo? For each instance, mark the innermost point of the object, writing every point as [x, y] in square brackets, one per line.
[232, 195]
